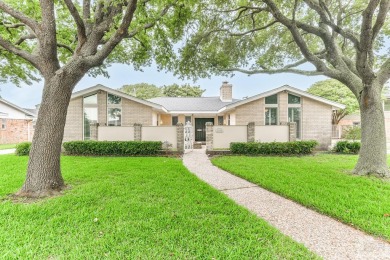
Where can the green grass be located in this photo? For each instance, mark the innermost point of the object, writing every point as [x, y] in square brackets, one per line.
[322, 182]
[7, 146]
[132, 208]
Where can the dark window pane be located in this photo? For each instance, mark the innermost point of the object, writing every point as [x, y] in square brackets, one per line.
[220, 120]
[271, 99]
[293, 99]
[175, 120]
[114, 116]
[113, 100]
[188, 119]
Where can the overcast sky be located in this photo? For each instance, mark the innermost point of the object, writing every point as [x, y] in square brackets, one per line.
[243, 85]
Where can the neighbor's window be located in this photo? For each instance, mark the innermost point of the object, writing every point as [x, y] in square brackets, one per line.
[292, 99]
[220, 120]
[3, 123]
[271, 116]
[188, 119]
[114, 110]
[175, 120]
[271, 99]
[387, 105]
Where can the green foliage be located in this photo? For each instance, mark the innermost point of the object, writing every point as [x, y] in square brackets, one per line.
[336, 91]
[352, 133]
[147, 91]
[142, 90]
[322, 182]
[274, 148]
[185, 90]
[347, 147]
[117, 148]
[132, 208]
[23, 148]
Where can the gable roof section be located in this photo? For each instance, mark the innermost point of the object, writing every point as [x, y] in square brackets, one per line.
[191, 104]
[118, 93]
[28, 113]
[289, 89]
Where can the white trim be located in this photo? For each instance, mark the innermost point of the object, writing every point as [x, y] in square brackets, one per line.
[287, 88]
[28, 113]
[117, 93]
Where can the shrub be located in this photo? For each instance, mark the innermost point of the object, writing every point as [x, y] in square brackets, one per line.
[347, 147]
[274, 148]
[118, 148]
[352, 133]
[23, 148]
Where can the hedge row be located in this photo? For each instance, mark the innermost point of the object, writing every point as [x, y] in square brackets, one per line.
[347, 147]
[274, 148]
[121, 148]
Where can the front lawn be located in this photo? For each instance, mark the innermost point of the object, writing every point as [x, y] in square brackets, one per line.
[7, 146]
[322, 182]
[132, 208]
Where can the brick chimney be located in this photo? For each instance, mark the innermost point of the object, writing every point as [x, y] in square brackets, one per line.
[225, 92]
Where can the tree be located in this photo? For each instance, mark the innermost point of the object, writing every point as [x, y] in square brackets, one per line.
[63, 40]
[343, 40]
[185, 90]
[336, 91]
[147, 91]
[142, 90]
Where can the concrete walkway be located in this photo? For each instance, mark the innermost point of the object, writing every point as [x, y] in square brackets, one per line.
[323, 235]
[7, 151]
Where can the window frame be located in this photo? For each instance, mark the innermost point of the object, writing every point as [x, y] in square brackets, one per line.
[4, 124]
[114, 106]
[270, 118]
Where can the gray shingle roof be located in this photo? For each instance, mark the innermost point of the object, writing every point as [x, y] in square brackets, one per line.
[191, 103]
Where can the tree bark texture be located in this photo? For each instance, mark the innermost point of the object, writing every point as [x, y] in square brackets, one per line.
[44, 173]
[373, 151]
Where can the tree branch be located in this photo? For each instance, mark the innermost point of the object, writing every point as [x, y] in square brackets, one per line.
[383, 74]
[65, 47]
[20, 16]
[19, 52]
[381, 17]
[81, 34]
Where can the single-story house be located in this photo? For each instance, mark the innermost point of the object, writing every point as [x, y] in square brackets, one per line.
[112, 108]
[17, 124]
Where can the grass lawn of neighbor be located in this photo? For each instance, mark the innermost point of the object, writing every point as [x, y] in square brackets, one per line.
[132, 208]
[323, 182]
[7, 146]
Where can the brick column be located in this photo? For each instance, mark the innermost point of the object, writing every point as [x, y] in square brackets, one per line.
[93, 131]
[209, 136]
[250, 134]
[137, 132]
[292, 131]
[180, 137]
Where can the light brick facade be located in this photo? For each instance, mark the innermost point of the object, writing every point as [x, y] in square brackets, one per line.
[250, 112]
[316, 122]
[74, 121]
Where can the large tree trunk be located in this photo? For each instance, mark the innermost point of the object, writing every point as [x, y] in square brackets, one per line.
[44, 173]
[373, 152]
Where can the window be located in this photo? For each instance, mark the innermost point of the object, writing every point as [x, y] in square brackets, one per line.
[114, 110]
[114, 116]
[229, 119]
[271, 99]
[271, 116]
[387, 105]
[90, 114]
[294, 115]
[175, 120]
[188, 119]
[294, 99]
[220, 120]
[3, 123]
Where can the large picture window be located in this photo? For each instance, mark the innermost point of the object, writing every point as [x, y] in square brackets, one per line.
[114, 110]
[90, 115]
[294, 115]
[292, 99]
[271, 116]
[271, 99]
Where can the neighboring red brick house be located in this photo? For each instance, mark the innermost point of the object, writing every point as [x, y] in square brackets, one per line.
[16, 123]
